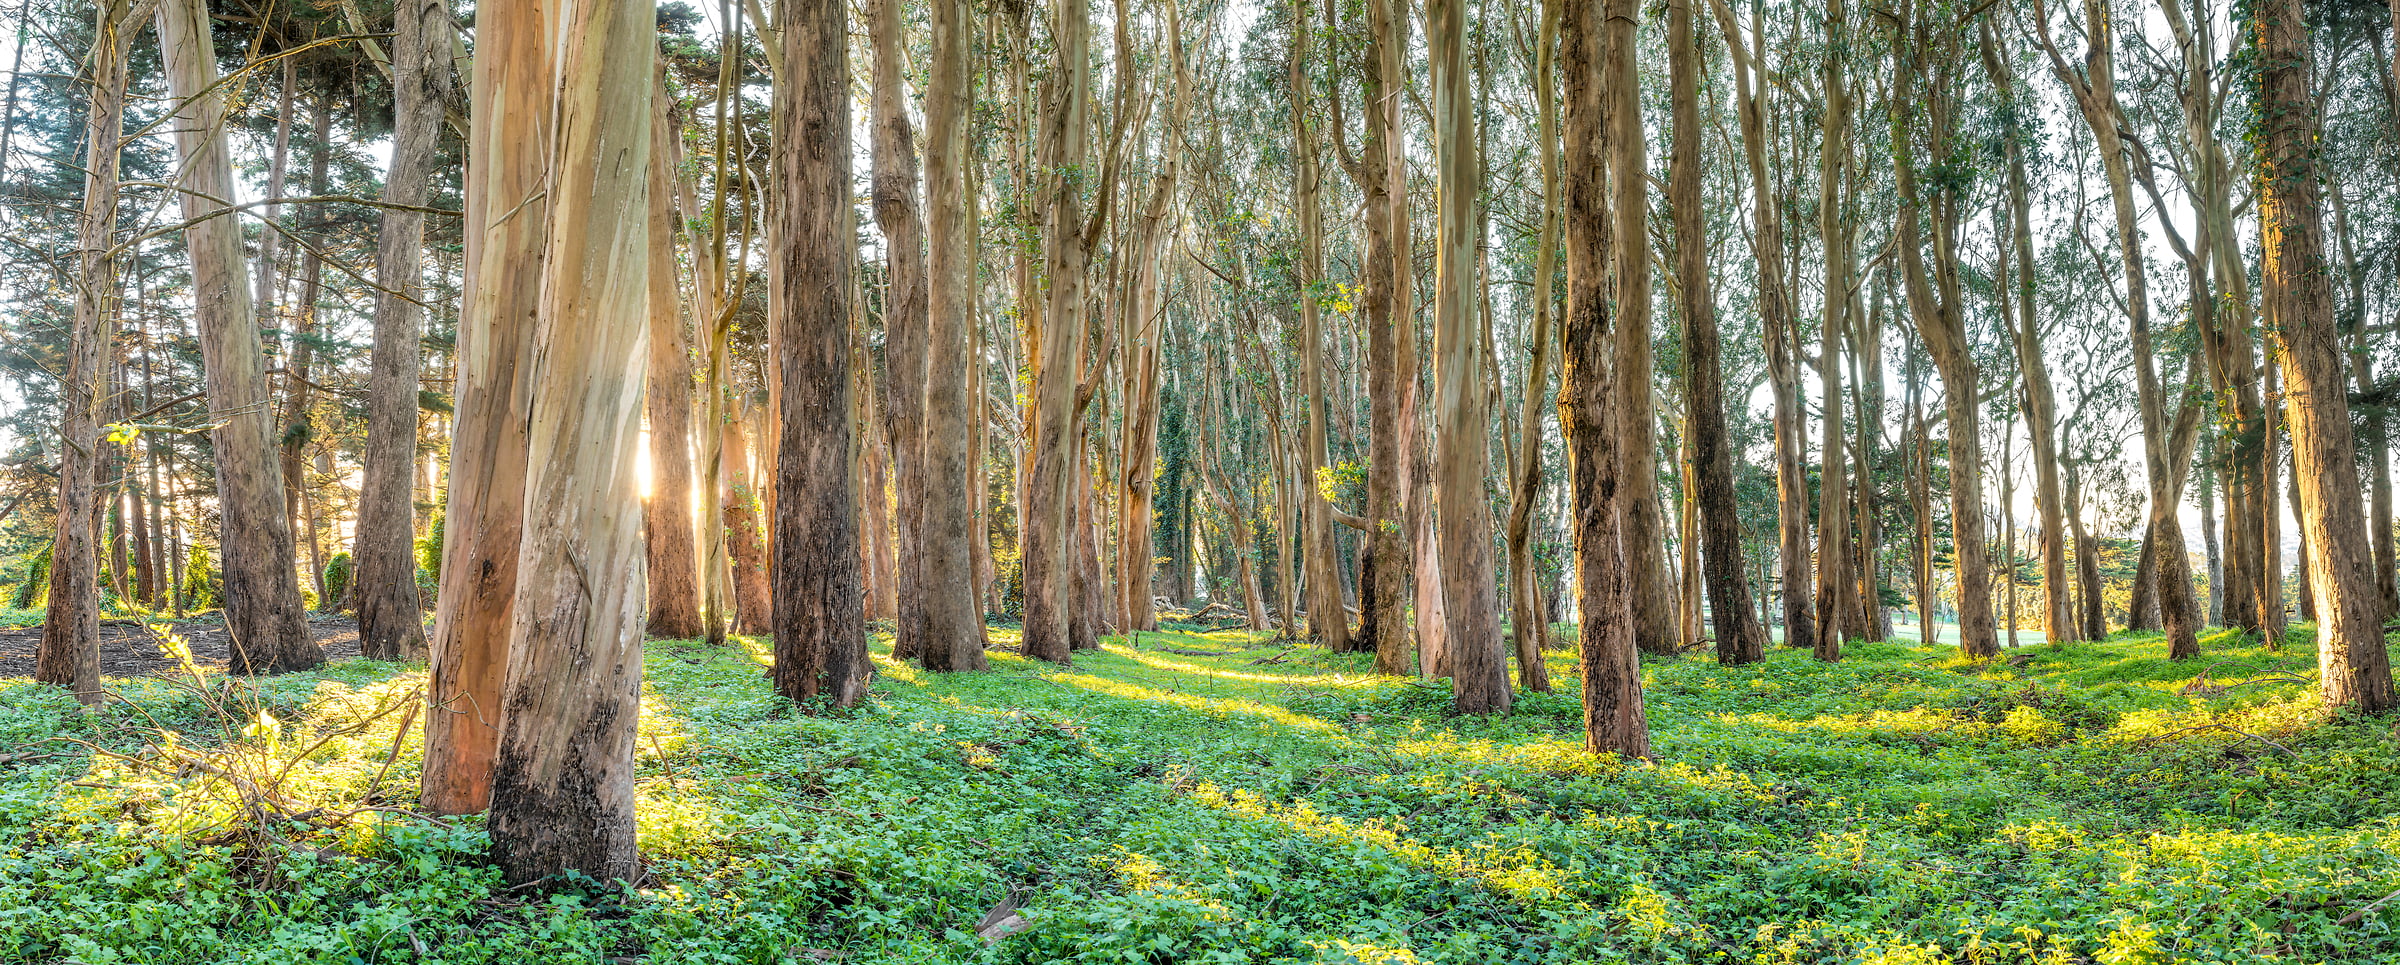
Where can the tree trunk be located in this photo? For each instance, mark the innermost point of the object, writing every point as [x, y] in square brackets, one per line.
[906, 305]
[951, 620]
[820, 633]
[1835, 585]
[1934, 304]
[668, 526]
[754, 604]
[1613, 718]
[69, 655]
[1478, 665]
[1767, 247]
[2041, 405]
[562, 781]
[1634, 369]
[1384, 310]
[391, 625]
[1044, 537]
[507, 230]
[2355, 670]
[264, 615]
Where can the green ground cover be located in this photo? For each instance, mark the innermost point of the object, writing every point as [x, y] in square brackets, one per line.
[1171, 799]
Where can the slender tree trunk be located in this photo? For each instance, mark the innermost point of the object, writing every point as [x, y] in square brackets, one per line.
[1613, 718]
[1767, 247]
[906, 306]
[668, 526]
[69, 655]
[1044, 536]
[562, 782]
[820, 633]
[1634, 369]
[1384, 268]
[264, 616]
[1478, 664]
[1835, 586]
[507, 230]
[297, 420]
[1934, 304]
[951, 623]
[2355, 670]
[391, 625]
[2041, 405]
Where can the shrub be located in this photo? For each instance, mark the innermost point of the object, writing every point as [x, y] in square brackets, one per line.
[337, 582]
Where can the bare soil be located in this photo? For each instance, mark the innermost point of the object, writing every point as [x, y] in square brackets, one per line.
[128, 650]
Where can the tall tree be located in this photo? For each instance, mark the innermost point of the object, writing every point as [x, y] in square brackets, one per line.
[264, 615]
[1046, 540]
[951, 622]
[391, 626]
[1775, 313]
[1328, 621]
[1835, 585]
[562, 781]
[507, 230]
[668, 527]
[893, 158]
[820, 629]
[2041, 403]
[1739, 637]
[70, 648]
[1613, 718]
[1478, 664]
[2355, 671]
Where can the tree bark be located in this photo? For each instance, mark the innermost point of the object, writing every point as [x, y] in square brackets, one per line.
[1613, 717]
[562, 781]
[1767, 247]
[668, 526]
[1478, 664]
[264, 615]
[1836, 587]
[1384, 309]
[952, 621]
[1739, 637]
[906, 307]
[820, 632]
[69, 655]
[391, 625]
[507, 230]
[1046, 540]
[2041, 404]
[2355, 671]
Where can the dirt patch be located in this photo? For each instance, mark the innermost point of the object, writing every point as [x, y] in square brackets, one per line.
[128, 650]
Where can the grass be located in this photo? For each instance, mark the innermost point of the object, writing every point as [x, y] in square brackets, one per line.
[2097, 803]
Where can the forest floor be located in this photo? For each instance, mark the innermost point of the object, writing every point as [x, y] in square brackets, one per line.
[1210, 797]
[130, 649]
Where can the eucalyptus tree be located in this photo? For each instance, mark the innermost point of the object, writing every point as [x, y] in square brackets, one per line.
[264, 615]
[390, 623]
[69, 655]
[2354, 670]
[562, 790]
